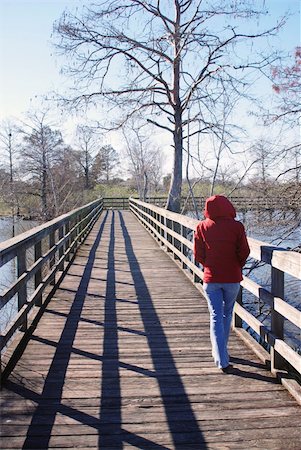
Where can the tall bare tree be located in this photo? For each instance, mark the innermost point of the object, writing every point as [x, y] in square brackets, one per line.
[66, 182]
[87, 143]
[40, 152]
[156, 58]
[109, 161]
[8, 135]
[9, 147]
[145, 161]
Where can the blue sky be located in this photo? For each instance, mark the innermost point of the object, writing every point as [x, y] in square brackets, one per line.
[29, 66]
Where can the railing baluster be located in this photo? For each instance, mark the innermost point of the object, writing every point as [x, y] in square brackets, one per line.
[52, 259]
[183, 246]
[67, 244]
[61, 250]
[22, 294]
[38, 275]
[237, 320]
[277, 320]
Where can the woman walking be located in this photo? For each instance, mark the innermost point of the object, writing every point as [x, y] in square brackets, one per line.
[221, 246]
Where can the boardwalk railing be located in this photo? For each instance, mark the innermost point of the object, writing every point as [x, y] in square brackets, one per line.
[242, 204]
[39, 255]
[175, 233]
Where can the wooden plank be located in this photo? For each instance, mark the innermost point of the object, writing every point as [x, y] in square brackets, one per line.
[121, 358]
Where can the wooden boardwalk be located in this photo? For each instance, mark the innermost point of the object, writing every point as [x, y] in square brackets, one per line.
[121, 359]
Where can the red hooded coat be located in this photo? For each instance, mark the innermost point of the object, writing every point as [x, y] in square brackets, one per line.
[220, 242]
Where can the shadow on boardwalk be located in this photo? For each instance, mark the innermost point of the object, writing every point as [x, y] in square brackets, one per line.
[153, 334]
[131, 364]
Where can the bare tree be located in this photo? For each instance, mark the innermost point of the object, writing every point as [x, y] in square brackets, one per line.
[105, 164]
[40, 152]
[145, 161]
[264, 154]
[8, 143]
[170, 55]
[87, 143]
[287, 86]
[109, 161]
[8, 135]
[67, 182]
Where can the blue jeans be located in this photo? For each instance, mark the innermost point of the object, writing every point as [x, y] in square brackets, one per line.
[221, 299]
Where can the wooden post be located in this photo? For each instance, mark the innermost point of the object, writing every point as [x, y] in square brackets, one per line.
[61, 250]
[176, 228]
[79, 227]
[38, 275]
[72, 235]
[183, 246]
[196, 278]
[52, 259]
[277, 320]
[168, 224]
[162, 220]
[67, 244]
[237, 321]
[22, 294]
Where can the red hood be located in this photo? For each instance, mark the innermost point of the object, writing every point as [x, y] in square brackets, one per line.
[219, 206]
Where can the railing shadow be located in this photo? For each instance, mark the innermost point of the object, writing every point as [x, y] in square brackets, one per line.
[108, 425]
[110, 405]
[54, 383]
[182, 423]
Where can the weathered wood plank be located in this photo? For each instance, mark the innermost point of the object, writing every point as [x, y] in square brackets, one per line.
[121, 358]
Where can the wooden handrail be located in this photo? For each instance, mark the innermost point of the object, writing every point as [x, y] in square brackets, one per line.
[242, 203]
[63, 234]
[175, 232]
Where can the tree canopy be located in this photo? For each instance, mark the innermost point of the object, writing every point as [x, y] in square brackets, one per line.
[159, 59]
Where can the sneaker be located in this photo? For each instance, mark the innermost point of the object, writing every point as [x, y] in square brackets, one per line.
[227, 369]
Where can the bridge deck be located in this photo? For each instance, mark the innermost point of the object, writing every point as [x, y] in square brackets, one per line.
[121, 359]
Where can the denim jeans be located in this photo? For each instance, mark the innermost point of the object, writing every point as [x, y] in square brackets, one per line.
[221, 299]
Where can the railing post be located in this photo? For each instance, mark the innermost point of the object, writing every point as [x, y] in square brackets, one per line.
[196, 278]
[277, 320]
[22, 294]
[78, 227]
[72, 236]
[158, 228]
[38, 275]
[237, 321]
[67, 243]
[183, 246]
[168, 225]
[176, 228]
[162, 220]
[61, 250]
[52, 259]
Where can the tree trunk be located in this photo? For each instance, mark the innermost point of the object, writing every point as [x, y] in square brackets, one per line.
[87, 184]
[174, 195]
[87, 181]
[44, 188]
[175, 190]
[145, 185]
